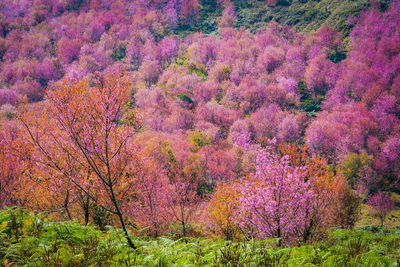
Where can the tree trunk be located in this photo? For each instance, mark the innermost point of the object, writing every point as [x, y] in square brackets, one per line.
[86, 208]
[66, 206]
[128, 238]
[279, 236]
[183, 228]
[121, 219]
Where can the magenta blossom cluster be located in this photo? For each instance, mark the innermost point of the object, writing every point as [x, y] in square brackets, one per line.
[276, 200]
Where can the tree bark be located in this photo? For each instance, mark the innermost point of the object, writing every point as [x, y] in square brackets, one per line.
[121, 218]
[66, 206]
[86, 208]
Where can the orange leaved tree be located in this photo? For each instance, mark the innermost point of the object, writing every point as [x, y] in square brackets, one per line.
[222, 210]
[83, 131]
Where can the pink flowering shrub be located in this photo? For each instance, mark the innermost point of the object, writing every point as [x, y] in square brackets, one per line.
[381, 205]
[276, 200]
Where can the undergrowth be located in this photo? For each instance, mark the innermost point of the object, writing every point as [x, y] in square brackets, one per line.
[28, 239]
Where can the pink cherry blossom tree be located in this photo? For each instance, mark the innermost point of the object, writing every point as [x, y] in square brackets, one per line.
[276, 200]
[381, 205]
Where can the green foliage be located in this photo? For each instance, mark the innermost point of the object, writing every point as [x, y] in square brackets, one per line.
[185, 98]
[198, 139]
[303, 15]
[197, 69]
[309, 104]
[336, 56]
[352, 165]
[210, 11]
[168, 153]
[119, 53]
[100, 217]
[32, 240]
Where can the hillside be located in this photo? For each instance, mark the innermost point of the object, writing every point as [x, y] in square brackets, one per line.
[170, 119]
[302, 15]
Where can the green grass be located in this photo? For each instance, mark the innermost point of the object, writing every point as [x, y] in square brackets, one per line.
[392, 220]
[302, 15]
[32, 240]
[207, 22]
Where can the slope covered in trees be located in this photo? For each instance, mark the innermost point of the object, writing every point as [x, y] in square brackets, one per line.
[168, 117]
